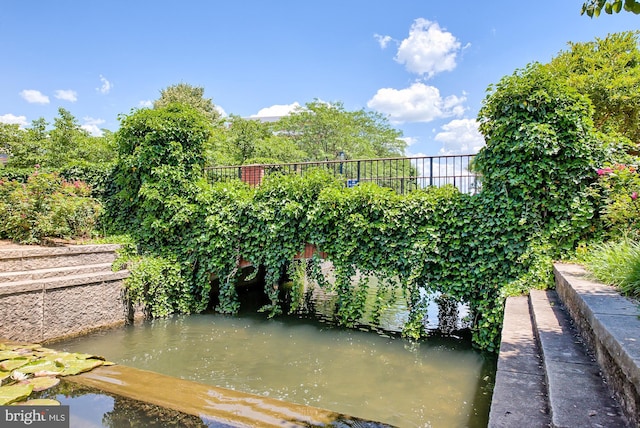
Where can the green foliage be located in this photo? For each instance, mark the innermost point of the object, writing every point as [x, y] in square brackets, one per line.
[65, 146]
[250, 141]
[160, 155]
[619, 187]
[157, 284]
[608, 72]
[594, 7]
[323, 130]
[542, 154]
[617, 263]
[536, 205]
[46, 206]
[193, 96]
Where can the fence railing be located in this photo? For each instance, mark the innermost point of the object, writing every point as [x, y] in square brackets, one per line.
[401, 174]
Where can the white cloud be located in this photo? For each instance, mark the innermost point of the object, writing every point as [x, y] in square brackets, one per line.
[105, 87]
[34, 97]
[409, 140]
[145, 104]
[383, 41]
[428, 50]
[13, 119]
[277, 110]
[91, 125]
[220, 110]
[418, 103]
[460, 136]
[67, 95]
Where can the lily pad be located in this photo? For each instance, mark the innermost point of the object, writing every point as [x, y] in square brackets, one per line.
[41, 383]
[8, 355]
[4, 375]
[11, 393]
[39, 402]
[79, 366]
[14, 363]
[42, 365]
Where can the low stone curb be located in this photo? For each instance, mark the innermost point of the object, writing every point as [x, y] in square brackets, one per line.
[610, 326]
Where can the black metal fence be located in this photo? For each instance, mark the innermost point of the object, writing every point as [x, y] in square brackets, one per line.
[401, 174]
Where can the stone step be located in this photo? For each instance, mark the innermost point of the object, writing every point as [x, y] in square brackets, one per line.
[577, 394]
[52, 283]
[53, 272]
[37, 258]
[520, 395]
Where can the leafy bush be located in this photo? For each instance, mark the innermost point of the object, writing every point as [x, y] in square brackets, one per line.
[46, 206]
[157, 284]
[535, 206]
[619, 186]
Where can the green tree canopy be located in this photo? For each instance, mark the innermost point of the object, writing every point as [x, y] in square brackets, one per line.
[324, 130]
[608, 72]
[65, 145]
[249, 140]
[161, 151]
[184, 93]
[541, 147]
[594, 7]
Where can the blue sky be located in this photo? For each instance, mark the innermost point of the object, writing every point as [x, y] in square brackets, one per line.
[424, 64]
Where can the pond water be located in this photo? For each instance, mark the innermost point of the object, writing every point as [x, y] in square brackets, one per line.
[368, 373]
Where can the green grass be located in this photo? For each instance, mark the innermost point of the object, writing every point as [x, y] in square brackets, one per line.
[617, 263]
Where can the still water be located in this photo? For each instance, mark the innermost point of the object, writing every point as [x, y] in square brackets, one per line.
[439, 382]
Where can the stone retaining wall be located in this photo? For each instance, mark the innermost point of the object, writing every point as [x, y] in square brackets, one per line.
[610, 325]
[41, 301]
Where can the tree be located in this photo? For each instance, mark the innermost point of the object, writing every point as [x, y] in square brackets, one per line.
[184, 93]
[161, 155]
[10, 136]
[64, 146]
[594, 7]
[325, 130]
[29, 149]
[541, 153]
[66, 138]
[608, 72]
[252, 141]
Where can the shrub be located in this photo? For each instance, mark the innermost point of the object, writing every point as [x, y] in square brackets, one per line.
[619, 186]
[46, 206]
[156, 283]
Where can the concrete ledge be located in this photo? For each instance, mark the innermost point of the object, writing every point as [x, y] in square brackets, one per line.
[53, 272]
[610, 325]
[24, 258]
[52, 283]
[26, 251]
[519, 396]
[216, 406]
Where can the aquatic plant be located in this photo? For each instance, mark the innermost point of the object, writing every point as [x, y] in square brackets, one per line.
[27, 368]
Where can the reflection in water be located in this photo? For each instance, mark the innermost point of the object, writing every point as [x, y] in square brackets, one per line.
[440, 382]
[91, 408]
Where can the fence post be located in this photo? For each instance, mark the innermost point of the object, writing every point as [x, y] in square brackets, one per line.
[431, 171]
[252, 174]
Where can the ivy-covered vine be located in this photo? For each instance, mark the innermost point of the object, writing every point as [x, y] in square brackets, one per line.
[541, 156]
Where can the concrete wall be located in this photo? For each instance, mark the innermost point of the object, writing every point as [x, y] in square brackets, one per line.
[610, 325]
[53, 310]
